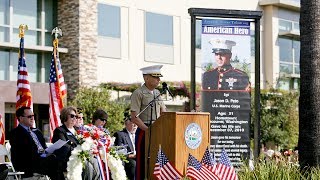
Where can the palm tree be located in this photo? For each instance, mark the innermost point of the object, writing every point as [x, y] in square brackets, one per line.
[309, 102]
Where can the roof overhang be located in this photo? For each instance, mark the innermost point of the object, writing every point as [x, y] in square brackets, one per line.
[288, 4]
[32, 48]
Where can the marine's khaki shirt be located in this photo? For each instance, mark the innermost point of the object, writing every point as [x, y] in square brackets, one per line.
[140, 98]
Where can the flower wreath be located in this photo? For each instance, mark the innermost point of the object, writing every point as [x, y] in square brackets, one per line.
[95, 141]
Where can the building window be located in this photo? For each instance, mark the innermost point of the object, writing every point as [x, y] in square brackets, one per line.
[37, 14]
[159, 29]
[289, 61]
[288, 83]
[109, 21]
[4, 65]
[109, 31]
[289, 56]
[36, 63]
[158, 38]
[286, 25]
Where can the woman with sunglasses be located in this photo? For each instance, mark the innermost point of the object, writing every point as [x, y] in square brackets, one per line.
[67, 132]
[99, 120]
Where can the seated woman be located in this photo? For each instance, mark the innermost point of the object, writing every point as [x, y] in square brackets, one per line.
[99, 120]
[67, 132]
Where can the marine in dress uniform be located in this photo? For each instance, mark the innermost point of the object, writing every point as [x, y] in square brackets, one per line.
[224, 77]
[140, 99]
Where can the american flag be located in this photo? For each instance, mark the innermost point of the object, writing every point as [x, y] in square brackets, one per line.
[225, 169]
[209, 161]
[197, 171]
[2, 134]
[24, 97]
[164, 170]
[57, 91]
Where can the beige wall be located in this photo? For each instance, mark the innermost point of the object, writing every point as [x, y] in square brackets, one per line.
[8, 89]
[126, 68]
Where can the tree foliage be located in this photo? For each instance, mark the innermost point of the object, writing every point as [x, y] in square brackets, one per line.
[91, 99]
[279, 117]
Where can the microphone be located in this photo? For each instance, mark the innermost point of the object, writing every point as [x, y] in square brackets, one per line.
[165, 88]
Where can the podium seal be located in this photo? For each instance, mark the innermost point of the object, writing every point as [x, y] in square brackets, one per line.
[193, 136]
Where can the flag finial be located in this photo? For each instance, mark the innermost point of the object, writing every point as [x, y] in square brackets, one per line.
[56, 31]
[22, 29]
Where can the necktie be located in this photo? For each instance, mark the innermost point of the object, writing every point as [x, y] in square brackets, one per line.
[36, 141]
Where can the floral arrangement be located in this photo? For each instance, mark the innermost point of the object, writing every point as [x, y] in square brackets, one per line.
[95, 141]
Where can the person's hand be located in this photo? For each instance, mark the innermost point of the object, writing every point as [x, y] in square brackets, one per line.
[131, 156]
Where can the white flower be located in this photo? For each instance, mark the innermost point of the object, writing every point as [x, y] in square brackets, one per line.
[87, 145]
[74, 167]
[116, 168]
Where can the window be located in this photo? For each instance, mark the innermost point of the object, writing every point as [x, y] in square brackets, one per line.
[109, 21]
[4, 65]
[29, 12]
[9, 60]
[288, 83]
[159, 29]
[158, 38]
[286, 25]
[289, 56]
[109, 31]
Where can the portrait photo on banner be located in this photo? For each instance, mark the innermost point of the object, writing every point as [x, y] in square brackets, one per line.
[226, 34]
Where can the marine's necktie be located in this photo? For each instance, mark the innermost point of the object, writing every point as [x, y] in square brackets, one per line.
[36, 141]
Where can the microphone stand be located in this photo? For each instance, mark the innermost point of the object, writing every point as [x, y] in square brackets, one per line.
[150, 127]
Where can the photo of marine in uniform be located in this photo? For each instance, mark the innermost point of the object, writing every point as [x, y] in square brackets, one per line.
[224, 76]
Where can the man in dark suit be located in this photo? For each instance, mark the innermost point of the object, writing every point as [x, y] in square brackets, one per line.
[28, 148]
[224, 77]
[126, 137]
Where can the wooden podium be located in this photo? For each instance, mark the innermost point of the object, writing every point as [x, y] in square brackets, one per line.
[169, 132]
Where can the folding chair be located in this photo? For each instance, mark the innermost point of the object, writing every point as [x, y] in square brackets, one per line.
[4, 152]
[35, 176]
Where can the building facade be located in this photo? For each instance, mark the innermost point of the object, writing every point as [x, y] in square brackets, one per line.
[110, 40]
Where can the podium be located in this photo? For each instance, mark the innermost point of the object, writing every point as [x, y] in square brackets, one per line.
[169, 131]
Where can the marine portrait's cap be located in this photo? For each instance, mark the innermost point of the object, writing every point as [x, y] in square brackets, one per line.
[154, 70]
[222, 46]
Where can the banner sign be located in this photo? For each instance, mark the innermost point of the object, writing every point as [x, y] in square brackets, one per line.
[226, 64]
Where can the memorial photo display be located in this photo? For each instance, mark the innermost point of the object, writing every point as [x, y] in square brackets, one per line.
[226, 89]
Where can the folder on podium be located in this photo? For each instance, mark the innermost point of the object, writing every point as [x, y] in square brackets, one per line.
[178, 133]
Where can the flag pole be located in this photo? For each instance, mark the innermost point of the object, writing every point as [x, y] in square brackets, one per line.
[57, 86]
[56, 31]
[22, 29]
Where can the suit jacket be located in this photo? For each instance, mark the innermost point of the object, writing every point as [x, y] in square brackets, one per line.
[64, 152]
[123, 138]
[24, 151]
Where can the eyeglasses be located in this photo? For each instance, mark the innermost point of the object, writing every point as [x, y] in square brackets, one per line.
[73, 115]
[30, 116]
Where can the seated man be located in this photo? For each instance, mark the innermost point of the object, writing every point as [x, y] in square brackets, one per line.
[126, 137]
[28, 148]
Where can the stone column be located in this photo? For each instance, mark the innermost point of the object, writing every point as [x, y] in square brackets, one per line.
[78, 22]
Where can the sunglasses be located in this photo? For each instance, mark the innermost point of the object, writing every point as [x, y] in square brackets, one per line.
[103, 119]
[30, 116]
[73, 115]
